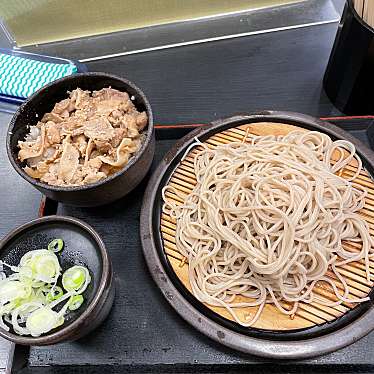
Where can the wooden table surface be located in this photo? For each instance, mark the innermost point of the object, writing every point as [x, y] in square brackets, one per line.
[200, 83]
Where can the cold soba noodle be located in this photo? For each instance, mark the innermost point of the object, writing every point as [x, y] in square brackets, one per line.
[267, 220]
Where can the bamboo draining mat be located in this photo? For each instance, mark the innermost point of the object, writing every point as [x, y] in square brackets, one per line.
[365, 9]
[307, 315]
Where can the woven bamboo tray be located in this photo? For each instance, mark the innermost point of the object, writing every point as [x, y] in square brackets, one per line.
[307, 315]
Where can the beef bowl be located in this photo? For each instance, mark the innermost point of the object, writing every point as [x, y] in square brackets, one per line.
[84, 140]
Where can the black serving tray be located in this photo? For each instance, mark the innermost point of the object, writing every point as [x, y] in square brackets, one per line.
[143, 333]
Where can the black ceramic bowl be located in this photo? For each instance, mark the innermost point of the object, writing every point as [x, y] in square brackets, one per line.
[83, 246]
[106, 190]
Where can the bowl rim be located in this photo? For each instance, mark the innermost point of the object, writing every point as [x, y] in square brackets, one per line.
[62, 333]
[91, 186]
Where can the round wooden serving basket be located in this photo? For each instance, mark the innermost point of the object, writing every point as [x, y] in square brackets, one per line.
[314, 329]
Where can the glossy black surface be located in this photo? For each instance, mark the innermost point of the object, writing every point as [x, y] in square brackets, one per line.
[349, 77]
[143, 333]
[199, 83]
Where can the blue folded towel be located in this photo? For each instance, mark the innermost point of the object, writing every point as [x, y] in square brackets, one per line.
[21, 77]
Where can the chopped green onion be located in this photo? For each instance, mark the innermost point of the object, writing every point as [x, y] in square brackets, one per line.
[11, 290]
[42, 320]
[56, 245]
[11, 267]
[43, 264]
[25, 274]
[60, 321]
[54, 294]
[75, 302]
[76, 279]
[29, 294]
[20, 312]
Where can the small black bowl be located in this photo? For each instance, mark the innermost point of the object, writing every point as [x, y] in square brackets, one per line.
[82, 246]
[108, 189]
